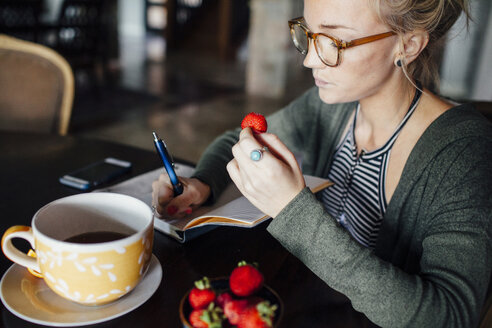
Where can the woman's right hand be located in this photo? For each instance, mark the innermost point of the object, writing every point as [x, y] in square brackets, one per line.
[195, 193]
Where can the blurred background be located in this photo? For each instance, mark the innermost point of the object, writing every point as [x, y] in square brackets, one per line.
[191, 69]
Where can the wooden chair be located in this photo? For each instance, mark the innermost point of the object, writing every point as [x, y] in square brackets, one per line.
[36, 88]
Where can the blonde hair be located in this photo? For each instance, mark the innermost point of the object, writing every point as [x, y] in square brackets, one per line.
[433, 16]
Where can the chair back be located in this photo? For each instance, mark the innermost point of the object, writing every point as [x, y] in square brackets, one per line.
[36, 88]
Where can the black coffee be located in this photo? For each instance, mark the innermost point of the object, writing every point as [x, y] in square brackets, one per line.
[96, 237]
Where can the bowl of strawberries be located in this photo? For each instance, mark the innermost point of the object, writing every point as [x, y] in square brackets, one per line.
[241, 300]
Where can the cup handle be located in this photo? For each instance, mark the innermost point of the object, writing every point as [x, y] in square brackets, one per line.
[14, 254]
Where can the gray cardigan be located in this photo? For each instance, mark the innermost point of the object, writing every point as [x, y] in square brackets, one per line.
[432, 261]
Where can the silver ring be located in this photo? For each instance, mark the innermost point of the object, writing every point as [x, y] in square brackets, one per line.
[257, 154]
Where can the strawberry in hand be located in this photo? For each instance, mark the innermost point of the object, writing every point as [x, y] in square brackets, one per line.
[255, 121]
[202, 294]
[245, 279]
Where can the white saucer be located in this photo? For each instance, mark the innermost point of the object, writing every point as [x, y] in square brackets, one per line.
[31, 299]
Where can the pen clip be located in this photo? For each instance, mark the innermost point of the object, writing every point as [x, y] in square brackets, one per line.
[164, 147]
[168, 154]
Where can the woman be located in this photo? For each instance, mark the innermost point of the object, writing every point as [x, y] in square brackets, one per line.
[405, 231]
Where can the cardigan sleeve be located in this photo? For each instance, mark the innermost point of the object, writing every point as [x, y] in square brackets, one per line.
[454, 233]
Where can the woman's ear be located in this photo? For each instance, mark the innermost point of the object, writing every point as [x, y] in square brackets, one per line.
[413, 43]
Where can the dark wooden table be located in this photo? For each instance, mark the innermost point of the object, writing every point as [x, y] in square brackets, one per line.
[30, 165]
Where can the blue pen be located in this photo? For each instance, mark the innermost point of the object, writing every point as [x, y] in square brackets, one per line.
[168, 164]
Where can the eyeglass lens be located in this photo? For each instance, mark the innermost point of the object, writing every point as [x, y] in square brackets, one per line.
[327, 49]
[300, 38]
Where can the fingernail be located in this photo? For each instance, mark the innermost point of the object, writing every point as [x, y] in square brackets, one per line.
[188, 211]
[172, 210]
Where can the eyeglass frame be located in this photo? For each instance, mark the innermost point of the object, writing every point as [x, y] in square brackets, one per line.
[341, 45]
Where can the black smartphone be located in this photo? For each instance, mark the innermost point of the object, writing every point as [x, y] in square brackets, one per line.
[97, 173]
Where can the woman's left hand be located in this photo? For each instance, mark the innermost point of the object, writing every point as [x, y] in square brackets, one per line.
[271, 182]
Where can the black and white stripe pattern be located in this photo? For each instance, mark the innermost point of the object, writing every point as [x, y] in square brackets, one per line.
[357, 200]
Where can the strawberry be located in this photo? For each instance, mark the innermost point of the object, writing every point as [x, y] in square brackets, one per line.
[257, 316]
[245, 279]
[223, 299]
[202, 294]
[195, 319]
[255, 121]
[233, 310]
[206, 318]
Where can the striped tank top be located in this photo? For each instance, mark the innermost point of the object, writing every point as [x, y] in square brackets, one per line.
[357, 199]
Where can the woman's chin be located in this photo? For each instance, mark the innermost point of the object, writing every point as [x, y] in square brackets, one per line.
[328, 96]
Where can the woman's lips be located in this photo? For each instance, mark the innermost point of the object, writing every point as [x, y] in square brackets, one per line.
[320, 83]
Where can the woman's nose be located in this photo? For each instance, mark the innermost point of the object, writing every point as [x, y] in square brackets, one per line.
[312, 59]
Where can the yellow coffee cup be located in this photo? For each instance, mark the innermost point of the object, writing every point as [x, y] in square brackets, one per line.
[90, 248]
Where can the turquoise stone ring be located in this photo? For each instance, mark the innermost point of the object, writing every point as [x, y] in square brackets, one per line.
[257, 154]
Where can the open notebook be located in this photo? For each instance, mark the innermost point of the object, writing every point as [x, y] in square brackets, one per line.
[231, 208]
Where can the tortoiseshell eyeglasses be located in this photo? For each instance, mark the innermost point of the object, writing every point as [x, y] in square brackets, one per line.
[327, 47]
